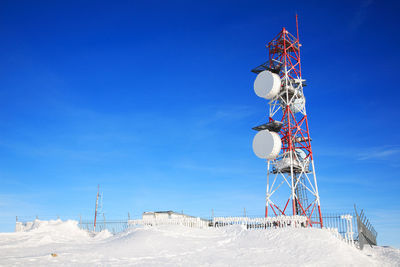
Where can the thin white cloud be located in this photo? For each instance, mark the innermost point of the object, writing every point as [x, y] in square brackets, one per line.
[380, 153]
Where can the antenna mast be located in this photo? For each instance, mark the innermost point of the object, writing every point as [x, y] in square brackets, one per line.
[95, 212]
[297, 28]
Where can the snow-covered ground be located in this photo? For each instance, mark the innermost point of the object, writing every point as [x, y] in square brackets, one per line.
[173, 245]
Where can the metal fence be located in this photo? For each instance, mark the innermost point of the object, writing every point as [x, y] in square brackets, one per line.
[329, 220]
[261, 223]
[361, 231]
[193, 222]
[366, 232]
[335, 220]
[113, 226]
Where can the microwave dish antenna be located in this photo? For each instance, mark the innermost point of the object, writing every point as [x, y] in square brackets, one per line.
[267, 84]
[267, 145]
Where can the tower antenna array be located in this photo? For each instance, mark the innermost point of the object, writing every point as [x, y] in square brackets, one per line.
[284, 141]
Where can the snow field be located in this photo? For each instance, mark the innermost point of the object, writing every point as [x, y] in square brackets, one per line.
[174, 245]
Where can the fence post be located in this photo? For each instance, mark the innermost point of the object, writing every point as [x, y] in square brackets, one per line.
[104, 221]
[349, 229]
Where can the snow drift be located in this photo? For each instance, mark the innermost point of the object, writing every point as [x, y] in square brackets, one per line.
[172, 245]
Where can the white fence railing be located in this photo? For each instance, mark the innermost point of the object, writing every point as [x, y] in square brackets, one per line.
[269, 222]
[189, 222]
[335, 232]
[23, 226]
[286, 221]
[250, 223]
[348, 236]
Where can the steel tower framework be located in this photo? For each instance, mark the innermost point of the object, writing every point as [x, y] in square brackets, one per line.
[294, 167]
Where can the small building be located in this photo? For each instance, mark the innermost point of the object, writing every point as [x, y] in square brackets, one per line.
[154, 215]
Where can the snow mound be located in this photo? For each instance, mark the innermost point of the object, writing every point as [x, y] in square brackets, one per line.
[43, 233]
[174, 245]
[54, 231]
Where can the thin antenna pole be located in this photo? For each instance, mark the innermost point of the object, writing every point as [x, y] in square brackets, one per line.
[297, 27]
[95, 212]
[298, 43]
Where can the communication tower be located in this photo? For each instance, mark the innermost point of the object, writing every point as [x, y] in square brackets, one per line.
[284, 141]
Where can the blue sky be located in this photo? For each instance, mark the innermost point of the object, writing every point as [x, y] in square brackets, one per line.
[153, 100]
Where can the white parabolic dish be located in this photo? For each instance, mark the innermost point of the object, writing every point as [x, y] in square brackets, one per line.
[267, 84]
[267, 145]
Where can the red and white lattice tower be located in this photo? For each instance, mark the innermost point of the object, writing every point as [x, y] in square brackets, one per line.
[284, 141]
